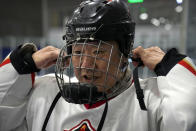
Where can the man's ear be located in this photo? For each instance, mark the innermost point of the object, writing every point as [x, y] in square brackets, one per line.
[124, 64]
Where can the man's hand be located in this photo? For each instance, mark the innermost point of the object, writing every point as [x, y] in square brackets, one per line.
[150, 56]
[46, 57]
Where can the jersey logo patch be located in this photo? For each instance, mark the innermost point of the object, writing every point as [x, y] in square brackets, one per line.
[84, 125]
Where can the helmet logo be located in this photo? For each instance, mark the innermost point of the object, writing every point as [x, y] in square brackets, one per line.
[81, 29]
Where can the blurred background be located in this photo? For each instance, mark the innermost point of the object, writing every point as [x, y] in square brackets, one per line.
[163, 23]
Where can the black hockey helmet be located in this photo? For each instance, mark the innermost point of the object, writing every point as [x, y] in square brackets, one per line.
[99, 21]
[102, 19]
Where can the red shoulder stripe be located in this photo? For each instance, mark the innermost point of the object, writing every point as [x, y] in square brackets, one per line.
[7, 61]
[33, 78]
[188, 66]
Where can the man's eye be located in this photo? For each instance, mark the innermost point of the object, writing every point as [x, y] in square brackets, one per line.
[99, 52]
[77, 52]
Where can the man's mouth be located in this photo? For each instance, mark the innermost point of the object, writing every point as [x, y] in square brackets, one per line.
[88, 78]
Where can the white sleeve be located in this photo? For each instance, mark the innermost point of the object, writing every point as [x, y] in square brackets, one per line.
[14, 91]
[178, 90]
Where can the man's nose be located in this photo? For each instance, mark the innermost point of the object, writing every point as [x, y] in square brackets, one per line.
[87, 62]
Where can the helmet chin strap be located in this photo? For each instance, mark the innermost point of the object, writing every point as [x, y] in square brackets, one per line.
[58, 96]
[139, 91]
[100, 126]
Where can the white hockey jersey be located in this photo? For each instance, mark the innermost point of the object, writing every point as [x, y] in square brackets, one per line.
[170, 102]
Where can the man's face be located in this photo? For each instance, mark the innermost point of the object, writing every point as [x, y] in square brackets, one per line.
[97, 63]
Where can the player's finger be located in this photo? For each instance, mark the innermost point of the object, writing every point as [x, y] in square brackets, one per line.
[49, 48]
[138, 52]
[155, 48]
[53, 55]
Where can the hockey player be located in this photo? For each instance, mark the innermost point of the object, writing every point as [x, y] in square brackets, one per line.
[93, 87]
